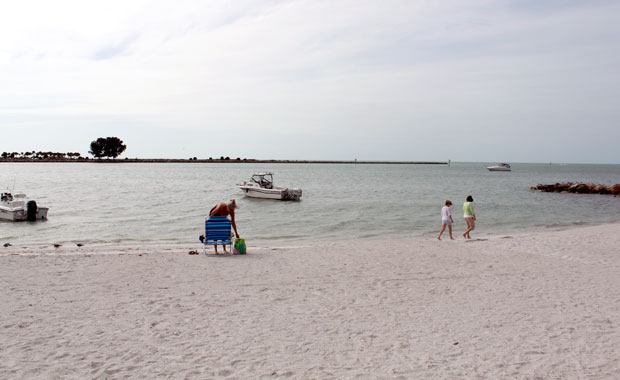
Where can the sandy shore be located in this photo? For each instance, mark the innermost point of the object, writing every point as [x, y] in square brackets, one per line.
[537, 306]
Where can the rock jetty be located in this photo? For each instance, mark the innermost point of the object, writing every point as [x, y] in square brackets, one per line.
[579, 188]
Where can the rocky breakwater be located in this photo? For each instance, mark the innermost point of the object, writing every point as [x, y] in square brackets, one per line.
[579, 188]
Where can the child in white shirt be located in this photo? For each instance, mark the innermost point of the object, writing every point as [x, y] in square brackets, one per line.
[446, 220]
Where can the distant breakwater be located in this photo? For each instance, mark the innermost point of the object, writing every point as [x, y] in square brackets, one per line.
[579, 188]
[227, 161]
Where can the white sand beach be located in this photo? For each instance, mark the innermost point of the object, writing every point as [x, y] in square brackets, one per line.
[534, 306]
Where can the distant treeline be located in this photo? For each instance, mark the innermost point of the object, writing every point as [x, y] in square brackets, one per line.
[42, 156]
[75, 156]
[58, 158]
[112, 147]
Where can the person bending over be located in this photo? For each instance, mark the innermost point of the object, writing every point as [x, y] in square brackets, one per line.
[225, 209]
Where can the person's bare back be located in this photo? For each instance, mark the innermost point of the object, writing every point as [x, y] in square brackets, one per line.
[221, 209]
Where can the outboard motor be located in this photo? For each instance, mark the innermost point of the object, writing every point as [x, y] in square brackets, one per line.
[31, 208]
[293, 194]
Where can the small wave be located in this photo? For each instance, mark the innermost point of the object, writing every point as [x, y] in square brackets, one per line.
[278, 237]
[564, 225]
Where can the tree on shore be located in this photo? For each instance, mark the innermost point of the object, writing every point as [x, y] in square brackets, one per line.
[107, 147]
[96, 147]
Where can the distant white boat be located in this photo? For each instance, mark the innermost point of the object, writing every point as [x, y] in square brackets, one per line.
[500, 168]
[261, 186]
[17, 208]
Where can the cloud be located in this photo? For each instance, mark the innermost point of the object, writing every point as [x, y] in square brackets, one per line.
[118, 49]
[398, 70]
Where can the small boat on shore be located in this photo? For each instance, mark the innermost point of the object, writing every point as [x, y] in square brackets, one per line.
[261, 186]
[503, 167]
[17, 208]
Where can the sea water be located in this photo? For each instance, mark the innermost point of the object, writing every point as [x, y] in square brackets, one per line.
[136, 203]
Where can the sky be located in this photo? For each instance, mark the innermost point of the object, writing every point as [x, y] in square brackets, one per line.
[460, 80]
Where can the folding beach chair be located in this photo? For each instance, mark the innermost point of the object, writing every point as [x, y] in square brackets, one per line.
[217, 231]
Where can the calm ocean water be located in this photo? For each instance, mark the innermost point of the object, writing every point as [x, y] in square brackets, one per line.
[125, 203]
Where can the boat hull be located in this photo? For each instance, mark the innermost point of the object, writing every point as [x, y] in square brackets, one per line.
[20, 214]
[498, 169]
[262, 193]
[278, 193]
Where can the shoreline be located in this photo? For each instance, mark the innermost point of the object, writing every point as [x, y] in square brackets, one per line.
[107, 248]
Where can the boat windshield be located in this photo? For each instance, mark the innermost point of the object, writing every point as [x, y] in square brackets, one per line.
[264, 180]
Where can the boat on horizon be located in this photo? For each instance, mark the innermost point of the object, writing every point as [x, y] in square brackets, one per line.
[261, 186]
[502, 167]
[17, 208]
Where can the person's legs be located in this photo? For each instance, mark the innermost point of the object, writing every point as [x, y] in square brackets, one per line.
[450, 231]
[443, 227]
[470, 226]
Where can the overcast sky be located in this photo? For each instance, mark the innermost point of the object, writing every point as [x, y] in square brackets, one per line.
[479, 80]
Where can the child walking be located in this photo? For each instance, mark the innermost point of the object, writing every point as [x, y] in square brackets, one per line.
[446, 220]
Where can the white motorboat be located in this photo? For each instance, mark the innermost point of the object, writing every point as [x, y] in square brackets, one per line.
[261, 186]
[17, 208]
[500, 168]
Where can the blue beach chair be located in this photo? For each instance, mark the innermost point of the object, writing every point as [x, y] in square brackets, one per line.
[217, 231]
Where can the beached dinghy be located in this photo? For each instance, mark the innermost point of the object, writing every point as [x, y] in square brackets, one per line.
[261, 186]
[17, 208]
